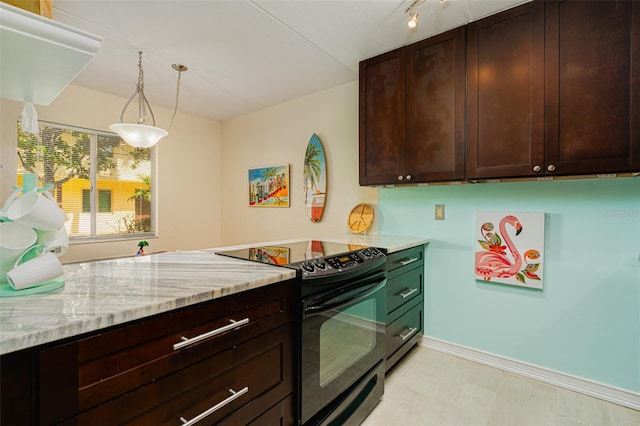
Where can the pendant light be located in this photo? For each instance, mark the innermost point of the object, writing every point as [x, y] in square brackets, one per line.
[143, 134]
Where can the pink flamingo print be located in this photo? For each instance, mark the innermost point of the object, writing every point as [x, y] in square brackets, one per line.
[494, 262]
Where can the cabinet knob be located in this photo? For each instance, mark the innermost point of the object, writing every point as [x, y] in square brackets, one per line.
[400, 177]
[551, 168]
[408, 177]
[537, 168]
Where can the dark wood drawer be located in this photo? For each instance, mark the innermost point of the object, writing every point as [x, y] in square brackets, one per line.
[80, 375]
[281, 414]
[404, 289]
[259, 372]
[403, 333]
[409, 258]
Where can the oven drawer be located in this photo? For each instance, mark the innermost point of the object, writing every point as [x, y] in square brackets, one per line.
[403, 333]
[258, 372]
[403, 289]
[85, 373]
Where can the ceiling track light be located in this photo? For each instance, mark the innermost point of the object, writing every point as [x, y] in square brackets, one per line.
[141, 135]
[413, 21]
[413, 16]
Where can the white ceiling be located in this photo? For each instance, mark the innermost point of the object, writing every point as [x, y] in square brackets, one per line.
[245, 55]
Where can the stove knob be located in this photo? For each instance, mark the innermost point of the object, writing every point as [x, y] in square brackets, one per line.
[320, 264]
[307, 266]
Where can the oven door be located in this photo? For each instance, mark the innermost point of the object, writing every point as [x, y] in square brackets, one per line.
[342, 340]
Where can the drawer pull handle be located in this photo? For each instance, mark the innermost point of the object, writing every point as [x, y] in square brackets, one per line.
[411, 332]
[234, 395]
[408, 292]
[408, 260]
[186, 341]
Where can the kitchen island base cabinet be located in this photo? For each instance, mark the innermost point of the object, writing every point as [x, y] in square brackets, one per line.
[16, 388]
[245, 378]
[405, 303]
[231, 358]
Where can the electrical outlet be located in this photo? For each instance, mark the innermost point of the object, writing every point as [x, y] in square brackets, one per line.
[439, 211]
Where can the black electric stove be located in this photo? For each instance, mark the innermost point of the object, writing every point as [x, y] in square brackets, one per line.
[340, 365]
[312, 258]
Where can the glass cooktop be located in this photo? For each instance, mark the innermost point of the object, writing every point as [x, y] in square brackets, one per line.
[291, 254]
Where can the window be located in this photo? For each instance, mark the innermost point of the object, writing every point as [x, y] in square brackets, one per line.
[101, 183]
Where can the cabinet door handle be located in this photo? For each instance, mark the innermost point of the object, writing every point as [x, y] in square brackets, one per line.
[410, 333]
[537, 168]
[186, 341]
[551, 168]
[407, 292]
[408, 260]
[400, 177]
[409, 177]
[234, 395]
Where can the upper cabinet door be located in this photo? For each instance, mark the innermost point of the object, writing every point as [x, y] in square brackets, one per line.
[505, 93]
[435, 108]
[382, 119]
[592, 86]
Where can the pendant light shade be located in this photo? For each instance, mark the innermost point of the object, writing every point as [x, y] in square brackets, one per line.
[137, 135]
[141, 135]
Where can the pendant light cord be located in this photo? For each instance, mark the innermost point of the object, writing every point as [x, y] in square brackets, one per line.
[178, 68]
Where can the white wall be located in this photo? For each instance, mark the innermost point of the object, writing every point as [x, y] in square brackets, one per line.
[188, 165]
[279, 135]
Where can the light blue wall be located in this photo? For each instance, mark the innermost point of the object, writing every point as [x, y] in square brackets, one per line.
[586, 320]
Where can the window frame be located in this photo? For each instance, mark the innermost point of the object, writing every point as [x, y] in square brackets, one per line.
[94, 203]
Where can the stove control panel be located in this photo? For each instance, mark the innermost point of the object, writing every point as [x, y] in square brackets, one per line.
[341, 262]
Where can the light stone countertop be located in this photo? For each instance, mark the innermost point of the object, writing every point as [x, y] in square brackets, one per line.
[100, 294]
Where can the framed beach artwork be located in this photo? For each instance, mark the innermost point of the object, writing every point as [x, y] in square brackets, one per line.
[509, 248]
[269, 186]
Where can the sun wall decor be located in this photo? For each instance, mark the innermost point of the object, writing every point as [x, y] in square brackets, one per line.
[509, 248]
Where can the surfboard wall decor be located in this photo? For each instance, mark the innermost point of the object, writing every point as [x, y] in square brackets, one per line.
[315, 179]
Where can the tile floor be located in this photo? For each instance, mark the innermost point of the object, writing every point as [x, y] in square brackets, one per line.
[432, 388]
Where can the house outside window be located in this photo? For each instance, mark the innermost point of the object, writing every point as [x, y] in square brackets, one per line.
[104, 201]
[102, 184]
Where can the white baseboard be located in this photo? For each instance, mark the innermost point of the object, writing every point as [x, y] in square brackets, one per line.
[598, 390]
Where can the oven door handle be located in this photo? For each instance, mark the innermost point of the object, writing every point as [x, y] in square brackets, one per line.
[338, 302]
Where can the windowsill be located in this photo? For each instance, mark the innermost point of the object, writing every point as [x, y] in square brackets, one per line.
[110, 239]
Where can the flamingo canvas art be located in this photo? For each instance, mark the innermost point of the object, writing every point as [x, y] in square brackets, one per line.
[509, 248]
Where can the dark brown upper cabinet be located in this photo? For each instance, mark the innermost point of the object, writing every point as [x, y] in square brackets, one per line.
[382, 118]
[505, 93]
[592, 93]
[412, 112]
[553, 90]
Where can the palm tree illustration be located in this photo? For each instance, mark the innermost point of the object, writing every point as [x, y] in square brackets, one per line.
[271, 173]
[312, 169]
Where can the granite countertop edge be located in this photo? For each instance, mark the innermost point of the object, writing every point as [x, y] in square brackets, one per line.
[100, 294]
